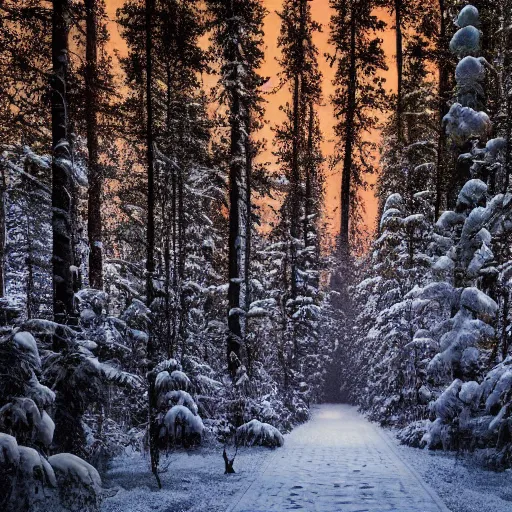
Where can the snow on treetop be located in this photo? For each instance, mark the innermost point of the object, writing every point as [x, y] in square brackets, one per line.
[449, 219]
[179, 397]
[466, 41]
[173, 381]
[32, 464]
[470, 392]
[45, 430]
[468, 16]
[389, 217]
[469, 70]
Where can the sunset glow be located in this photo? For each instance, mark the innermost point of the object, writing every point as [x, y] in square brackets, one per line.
[322, 14]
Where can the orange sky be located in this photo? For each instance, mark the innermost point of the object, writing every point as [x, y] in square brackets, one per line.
[321, 13]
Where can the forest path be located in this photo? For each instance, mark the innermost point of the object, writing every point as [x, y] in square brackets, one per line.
[337, 462]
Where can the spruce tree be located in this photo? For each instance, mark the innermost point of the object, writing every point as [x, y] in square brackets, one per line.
[238, 39]
[358, 96]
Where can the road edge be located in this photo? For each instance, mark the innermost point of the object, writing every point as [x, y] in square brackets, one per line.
[385, 436]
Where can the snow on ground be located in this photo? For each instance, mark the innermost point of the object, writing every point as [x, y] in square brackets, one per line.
[461, 481]
[192, 481]
[337, 462]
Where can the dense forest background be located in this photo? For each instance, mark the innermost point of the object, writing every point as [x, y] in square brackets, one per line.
[162, 285]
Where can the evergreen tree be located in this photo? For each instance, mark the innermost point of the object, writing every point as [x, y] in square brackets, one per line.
[358, 96]
[238, 38]
[63, 306]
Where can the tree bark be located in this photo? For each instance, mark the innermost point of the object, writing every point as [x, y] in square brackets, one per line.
[236, 233]
[309, 175]
[248, 209]
[349, 140]
[3, 232]
[63, 296]
[235, 242]
[94, 224]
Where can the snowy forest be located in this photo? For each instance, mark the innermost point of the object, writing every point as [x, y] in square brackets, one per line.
[183, 310]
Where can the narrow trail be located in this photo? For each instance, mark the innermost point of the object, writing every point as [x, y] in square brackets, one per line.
[337, 462]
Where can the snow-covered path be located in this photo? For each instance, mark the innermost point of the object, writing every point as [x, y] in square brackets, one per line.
[337, 462]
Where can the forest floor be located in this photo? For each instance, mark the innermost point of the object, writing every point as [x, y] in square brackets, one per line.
[336, 462]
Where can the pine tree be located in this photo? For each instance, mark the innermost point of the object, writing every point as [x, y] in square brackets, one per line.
[238, 37]
[61, 169]
[358, 96]
[25, 58]
[95, 172]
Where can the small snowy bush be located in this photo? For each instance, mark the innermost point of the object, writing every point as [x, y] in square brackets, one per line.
[78, 482]
[255, 433]
[181, 425]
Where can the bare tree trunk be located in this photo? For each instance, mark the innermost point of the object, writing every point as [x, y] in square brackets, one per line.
[349, 140]
[63, 296]
[94, 224]
[150, 261]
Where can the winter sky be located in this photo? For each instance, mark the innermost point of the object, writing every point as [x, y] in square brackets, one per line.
[321, 13]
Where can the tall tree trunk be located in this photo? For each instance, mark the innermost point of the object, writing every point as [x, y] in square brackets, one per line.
[236, 231]
[63, 303]
[182, 319]
[349, 140]
[309, 175]
[94, 225]
[507, 91]
[150, 242]
[3, 231]
[443, 91]
[399, 69]
[237, 156]
[295, 171]
[249, 156]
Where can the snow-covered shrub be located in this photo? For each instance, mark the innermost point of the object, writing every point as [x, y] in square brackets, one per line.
[178, 398]
[178, 418]
[32, 483]
[255, 433]
[78, 482]
[182, 426]
[28, 483]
